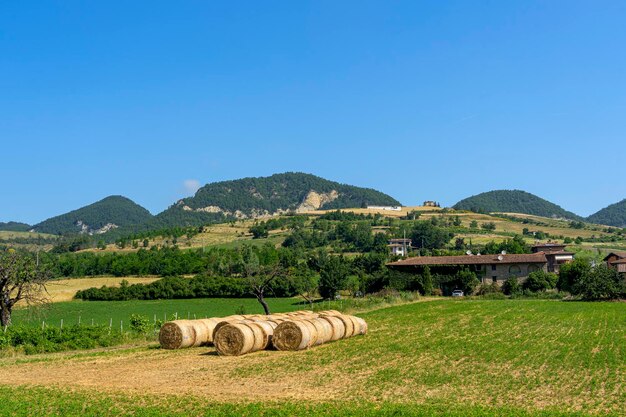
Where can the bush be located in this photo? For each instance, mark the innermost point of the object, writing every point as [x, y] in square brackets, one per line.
[52, 339]
[485, 289]
[602, 283]
[139, 324]
[511, 286]
[540, 281]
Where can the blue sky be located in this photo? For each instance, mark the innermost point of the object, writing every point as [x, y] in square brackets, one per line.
[422, 100]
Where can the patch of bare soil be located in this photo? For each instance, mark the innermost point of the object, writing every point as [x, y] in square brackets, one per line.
[199, 372]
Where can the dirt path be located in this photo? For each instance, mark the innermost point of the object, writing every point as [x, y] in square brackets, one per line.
[198, 372]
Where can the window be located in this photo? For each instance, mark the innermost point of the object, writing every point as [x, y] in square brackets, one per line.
[532, 268]
[493, 267]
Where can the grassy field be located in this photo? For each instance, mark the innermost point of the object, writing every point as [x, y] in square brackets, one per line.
[102, 312]
[447, 357]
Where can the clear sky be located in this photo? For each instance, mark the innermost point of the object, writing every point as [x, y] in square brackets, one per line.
[422, 100]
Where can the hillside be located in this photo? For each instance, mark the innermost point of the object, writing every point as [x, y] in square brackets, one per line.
[14, 227]
[263, 196]
[613, 215]
[514, 201]
[107, 214]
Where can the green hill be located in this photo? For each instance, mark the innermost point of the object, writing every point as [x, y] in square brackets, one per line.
[253, 197]
[613, 215]
[107, 214]
[513, 201]
[14, 227]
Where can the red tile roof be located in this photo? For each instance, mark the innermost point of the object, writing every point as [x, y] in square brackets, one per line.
[539, 257]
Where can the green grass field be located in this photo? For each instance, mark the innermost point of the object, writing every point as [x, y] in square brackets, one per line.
[103, 311]
[434, 358]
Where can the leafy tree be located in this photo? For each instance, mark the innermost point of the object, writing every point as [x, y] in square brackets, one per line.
[333, 274]
[467, 281]
[601, 283]
[305, 283]
[540, 281]
[21, 278]
[426, 236]
[572, 273]
[473, 224]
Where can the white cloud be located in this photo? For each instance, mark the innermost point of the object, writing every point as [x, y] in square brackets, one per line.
[191, 186]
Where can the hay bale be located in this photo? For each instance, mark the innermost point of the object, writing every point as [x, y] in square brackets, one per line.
[203, 331]
[234, 339]
[329, 313]
[265, 336]
[292, 335]
[339, 329]
[322, 329]
[177, 334]
[349, 325]
[234, 317]
[363, 325]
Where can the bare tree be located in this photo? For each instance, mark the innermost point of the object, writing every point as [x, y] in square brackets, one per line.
[21, 278]
[306, 283]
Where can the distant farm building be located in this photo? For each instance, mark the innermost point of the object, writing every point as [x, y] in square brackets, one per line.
[616, 260]
[431, 204]
[399, 247]
[387, 208]
[488, 268]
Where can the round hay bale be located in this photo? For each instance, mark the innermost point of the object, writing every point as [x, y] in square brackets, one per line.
[177, 334]
[312, 330]
[234, 339]
[210, 324]
[363, 325]
[329, 313]
[267, 331]
[234, 317]
[292, 335]
[223, 323]
[349, 325]
[323, 330]
[258, 334]
[203, 332]
[339, 329]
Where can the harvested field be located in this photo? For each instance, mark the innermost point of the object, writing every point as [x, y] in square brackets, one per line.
[510, 354]
[65, 289]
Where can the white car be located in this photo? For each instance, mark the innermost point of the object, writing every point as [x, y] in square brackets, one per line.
[457, 293]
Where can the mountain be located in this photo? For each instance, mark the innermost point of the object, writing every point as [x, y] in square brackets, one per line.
[513, 201]
[263, 196]
[14, 227]
[613, 215]
[107, 214]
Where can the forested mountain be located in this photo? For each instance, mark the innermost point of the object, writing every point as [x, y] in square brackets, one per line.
[14, 227]
[107, 214]
[513, 201]
[253, 197]
[613, 215]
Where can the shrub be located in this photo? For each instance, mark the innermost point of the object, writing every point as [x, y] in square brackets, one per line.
[511, 286]
[139, 324]
[540, 281]
[485, 289]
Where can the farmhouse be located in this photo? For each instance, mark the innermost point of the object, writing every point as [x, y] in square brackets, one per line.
[430, 203]
[616, 260]
[400, 247]
[488, 268]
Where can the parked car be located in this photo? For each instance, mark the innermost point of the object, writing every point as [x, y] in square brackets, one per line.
[457, 293]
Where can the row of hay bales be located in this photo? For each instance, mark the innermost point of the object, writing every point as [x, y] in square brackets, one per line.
[179, 334]
[238, 335]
